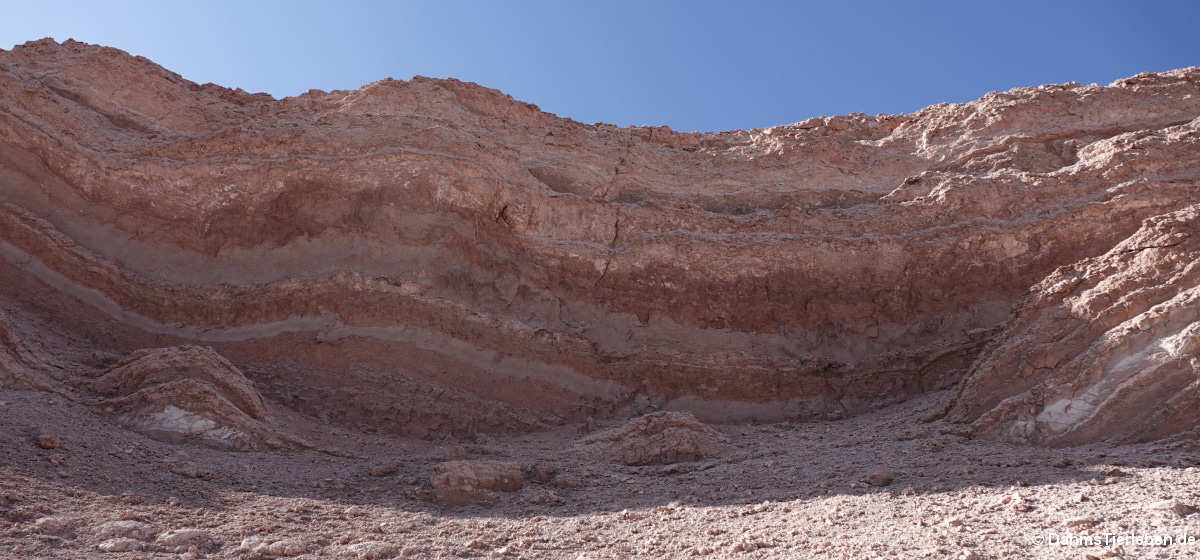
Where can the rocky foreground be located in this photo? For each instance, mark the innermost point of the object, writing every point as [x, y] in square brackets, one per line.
[874, 486]
[425, 319]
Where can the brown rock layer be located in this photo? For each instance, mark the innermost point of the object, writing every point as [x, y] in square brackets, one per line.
[432, 256]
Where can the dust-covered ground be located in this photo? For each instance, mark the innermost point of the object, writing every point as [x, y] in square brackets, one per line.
[75, 485]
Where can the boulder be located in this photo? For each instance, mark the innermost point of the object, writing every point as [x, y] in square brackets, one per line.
[655, 439]
[460, 483]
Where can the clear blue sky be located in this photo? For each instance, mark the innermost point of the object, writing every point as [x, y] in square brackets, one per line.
[694, 65]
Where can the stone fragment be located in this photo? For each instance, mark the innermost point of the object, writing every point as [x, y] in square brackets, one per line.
[1173, 506]
[567, 481]
[55, 523]
[121, 544]
[256, 546]
[286, 547]
[880, 478]
[372, 550]
[383, 470]
[47, 441]
[181, 539]
[126, 528]
[541, 472]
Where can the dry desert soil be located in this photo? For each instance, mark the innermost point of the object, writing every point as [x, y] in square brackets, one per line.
[787, 490]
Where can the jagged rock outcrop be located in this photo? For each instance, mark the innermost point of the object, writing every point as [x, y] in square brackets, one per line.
[433, 257]
[1105, 349]
[189, 393]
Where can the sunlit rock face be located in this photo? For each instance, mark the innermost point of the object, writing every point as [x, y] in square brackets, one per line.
[433, 257]
[1105, 349]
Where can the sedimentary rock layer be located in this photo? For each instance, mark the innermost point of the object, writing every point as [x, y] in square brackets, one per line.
[432, 256]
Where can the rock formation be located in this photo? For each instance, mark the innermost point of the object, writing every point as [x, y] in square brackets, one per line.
[189, 393]
[657, 438]
[433, 257]
[1105, 349]
[460, 483]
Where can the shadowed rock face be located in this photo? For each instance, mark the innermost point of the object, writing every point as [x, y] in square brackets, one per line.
[1105, 349]
[433, 256]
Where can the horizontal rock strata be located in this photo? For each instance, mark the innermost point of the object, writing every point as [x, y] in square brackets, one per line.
[432, 256]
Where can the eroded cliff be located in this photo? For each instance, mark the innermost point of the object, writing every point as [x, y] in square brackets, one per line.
[433, 256]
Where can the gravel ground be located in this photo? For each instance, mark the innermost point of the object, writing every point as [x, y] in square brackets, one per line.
[75, 485]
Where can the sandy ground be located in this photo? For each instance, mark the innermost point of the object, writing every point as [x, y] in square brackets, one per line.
[785, 491]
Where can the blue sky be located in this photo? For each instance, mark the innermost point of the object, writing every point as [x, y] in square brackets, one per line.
[694, 65]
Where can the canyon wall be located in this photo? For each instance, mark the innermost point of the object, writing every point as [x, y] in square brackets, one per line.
[432, 256]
